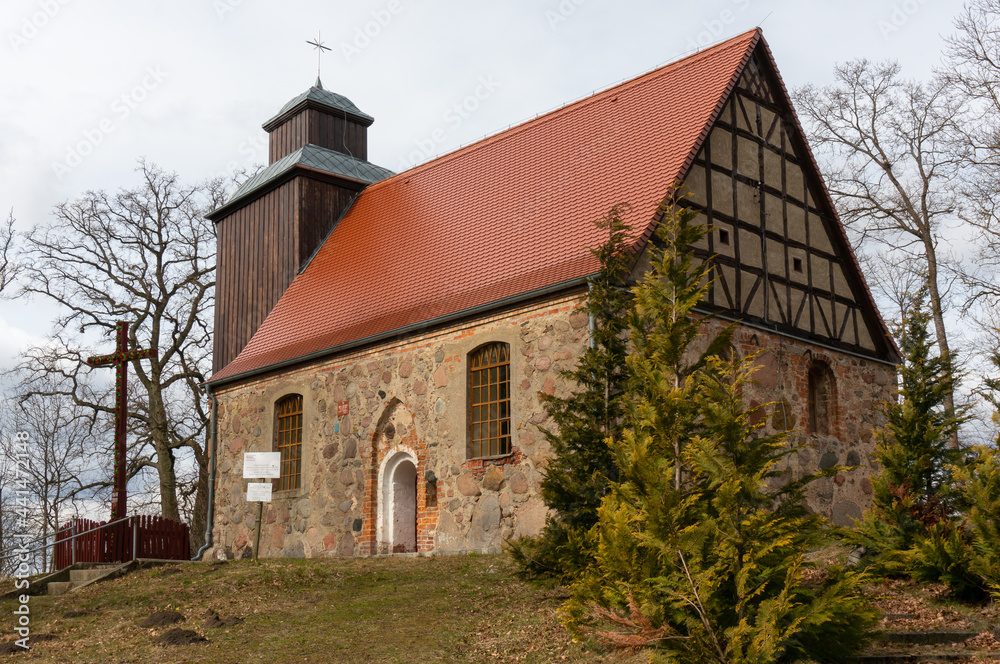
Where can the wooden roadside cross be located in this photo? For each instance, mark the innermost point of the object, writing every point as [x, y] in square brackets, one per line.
[120, 359]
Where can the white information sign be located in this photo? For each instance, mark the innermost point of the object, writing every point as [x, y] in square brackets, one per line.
[261, 465]
[259, 492]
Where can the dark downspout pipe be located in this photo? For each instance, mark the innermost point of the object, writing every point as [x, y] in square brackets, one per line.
[590, 313]
[213, 433]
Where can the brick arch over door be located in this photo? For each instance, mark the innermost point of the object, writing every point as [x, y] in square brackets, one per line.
[369, 530]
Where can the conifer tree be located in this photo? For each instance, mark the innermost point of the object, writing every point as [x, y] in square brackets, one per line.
[914, 491]
[700, 547]
[914, 449]
[583, 465]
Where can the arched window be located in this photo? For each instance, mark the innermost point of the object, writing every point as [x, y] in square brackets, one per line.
[820, 399]
[288, 441]
[489, 401]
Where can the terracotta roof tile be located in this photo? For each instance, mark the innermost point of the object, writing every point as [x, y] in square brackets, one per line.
[509, 215]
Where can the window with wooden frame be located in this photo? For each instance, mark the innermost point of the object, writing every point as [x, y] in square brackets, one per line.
[489, 401]
[820, 399]
[288, 441]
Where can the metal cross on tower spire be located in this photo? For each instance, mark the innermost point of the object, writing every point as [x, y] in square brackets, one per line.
[318, 45]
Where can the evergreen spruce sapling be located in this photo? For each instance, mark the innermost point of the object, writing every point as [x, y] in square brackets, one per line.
[662, 327]
[913, 492]
[583, 465]
[700, 546]
[914, 448]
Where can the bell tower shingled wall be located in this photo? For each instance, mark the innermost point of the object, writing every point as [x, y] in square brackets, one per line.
[274, 222]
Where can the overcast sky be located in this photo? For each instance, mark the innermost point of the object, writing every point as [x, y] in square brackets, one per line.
[86, 88]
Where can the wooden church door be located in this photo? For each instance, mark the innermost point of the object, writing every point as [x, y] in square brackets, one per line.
[404, 508]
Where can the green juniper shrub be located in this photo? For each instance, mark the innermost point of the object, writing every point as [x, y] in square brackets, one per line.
[701, 543]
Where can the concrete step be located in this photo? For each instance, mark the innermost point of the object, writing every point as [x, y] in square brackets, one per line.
[927, 638]
[59, 587]
[81, 576]
[72, 578]
[898, 643]
[924, 657]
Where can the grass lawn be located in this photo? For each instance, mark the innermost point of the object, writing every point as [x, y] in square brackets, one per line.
[437, 609]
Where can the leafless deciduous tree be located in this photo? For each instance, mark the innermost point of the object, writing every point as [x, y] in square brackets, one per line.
[145, 255]
[8, 517]
[8, 266]
[894, 157]
[60, 462]
[973, 70]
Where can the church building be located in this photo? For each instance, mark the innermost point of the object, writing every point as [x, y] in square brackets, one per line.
[389, 334]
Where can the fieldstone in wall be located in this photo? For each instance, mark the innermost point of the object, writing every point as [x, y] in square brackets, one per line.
[782, 418]
[346, 547]
[767, 375]
[484, 531]
[440, 377]
[518, 483]
[579, 320]
[845, 513]
[350, 448]
[277, 536]
[530, 518]
[449, 535]
[828, 460]
[467, 485]
[493, 479]
[314, 541]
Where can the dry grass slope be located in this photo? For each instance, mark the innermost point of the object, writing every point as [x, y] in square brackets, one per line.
[442, 609]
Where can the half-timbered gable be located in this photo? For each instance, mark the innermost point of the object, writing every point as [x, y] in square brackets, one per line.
[781, 257]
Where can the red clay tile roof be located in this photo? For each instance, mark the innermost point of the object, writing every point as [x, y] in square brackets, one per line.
[509, 215]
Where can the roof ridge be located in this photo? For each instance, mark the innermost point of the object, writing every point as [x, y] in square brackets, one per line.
[559, 111]
[436, 237]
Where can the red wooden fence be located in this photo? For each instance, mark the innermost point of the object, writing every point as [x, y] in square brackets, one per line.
[153, 537]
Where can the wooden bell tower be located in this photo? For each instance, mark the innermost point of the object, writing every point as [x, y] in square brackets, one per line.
[271, 226]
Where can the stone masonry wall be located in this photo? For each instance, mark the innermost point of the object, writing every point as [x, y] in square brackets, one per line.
[404, 397]
[409, 398]
[859, 387]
